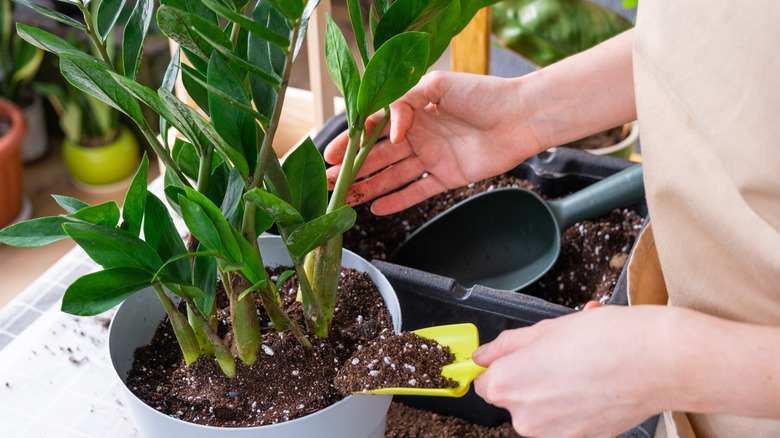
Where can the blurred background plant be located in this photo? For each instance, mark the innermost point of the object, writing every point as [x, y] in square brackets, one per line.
[19, 60]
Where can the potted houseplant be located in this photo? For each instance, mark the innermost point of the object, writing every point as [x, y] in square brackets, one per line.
[222, 176]
[19, 62]
[13, 130]
[546, 31]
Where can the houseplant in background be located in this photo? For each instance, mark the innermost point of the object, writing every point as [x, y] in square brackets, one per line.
[546, 31]
[13, 131]
[241, 59]
[19, 62]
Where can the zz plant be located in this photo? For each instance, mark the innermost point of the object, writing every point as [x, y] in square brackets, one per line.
[223, 177]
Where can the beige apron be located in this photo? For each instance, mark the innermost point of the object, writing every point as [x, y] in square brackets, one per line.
[707, 78]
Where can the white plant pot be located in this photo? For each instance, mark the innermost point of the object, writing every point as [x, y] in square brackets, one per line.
[356, 416]
[36, 144]
[624, 148]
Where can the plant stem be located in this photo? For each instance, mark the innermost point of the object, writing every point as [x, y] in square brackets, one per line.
[200, 334]
[185, 336]
[246, 327]
[224, 357]
[316, 322]
[365, 149]
[323, 266]
[93, 36]
[204, 171]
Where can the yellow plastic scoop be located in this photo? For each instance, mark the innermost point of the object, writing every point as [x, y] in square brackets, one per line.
[462, 339]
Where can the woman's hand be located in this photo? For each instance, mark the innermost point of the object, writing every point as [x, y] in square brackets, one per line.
[453, 128]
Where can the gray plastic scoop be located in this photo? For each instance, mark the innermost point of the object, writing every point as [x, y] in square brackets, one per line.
[508, 238]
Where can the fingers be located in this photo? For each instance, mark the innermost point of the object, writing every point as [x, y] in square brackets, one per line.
[393, 177]
[507, 342]
[592, 305]
[426, 93]
[415, 193]
[334, 151]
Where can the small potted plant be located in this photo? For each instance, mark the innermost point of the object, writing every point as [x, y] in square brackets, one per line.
[13, 131]
[19, 62]
[546, 31]
[225, 181]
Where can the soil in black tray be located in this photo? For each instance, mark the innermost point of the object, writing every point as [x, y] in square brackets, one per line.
[405, 360]
[407, 422]
[603, 139]
[286, 382]
[592, 256]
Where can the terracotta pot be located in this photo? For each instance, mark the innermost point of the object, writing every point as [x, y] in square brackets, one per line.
[103, 165]
[11, 162]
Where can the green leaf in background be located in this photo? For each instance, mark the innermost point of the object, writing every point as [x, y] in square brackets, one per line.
[393, 70]
[233, 124]
[135, 35]
[49, 42]
[546, 31]
[111, 247]
[26, 61]
[342, 66]
[381, 7]
[356, 18]
[186, 157]
[468, 9]
[373, 21]
[231, 202]
[292, 9]
[173, 189]
[161, 234]
[285, 215]
[54, 15]
[70, 205]
[193, 81]
[305, 170]
[99, 291]
[253, 269]
[406, 15]
[168, 83]
[266, 57]
[218, 184]
[135, 200]
[180, 26]
[147, 96]
[34, 232]
[442, 29]
[258, 29]
[320, 230]
[107, 13]
[95, 79]
[204, 270]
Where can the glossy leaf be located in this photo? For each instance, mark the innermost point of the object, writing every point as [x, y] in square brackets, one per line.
[199, 224]
[233, 124]
[266, 57]
[168, 83]
[173, 189]
[393, 70]
[545, 31]
[179, 26]
[70, 205]
[135, 35]
[356, 19]
[54, 15]
[318, 231]
[148, 97]
[186, 157]
[258, 29]
[381, 7]
[204, 271]
[305, 170]
[49, 42]
[161, 234]
[271, 78]
[292, 9]
[228, 244]
[406, 15]
[342, 67]
[135, 200]
[106, 214]
[231, 202]
[107, 14]
[97, 292]
[34, 232]
[112, 247]
[193, 81]
[253, 269]
[442, 29]
[95, 79]
[284, 214]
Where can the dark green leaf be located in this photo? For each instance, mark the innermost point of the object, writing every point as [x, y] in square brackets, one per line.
[373, 22]
[95, 79]
[180, 26]
[193, 81]
[34, 232]
[173, 189]
[147, 96]
[318, 231]
[57, 16]
[228, 266]
[107, 13]
[284, 214]
[183, 290]
[218, 184]
[406, 15]
[469, 8]
[276, 180]
[393, 70]
[199, 224]
[266, 57]
[112, 247]
[232, 199]
[135, 200]
[356, 18]
[229, 247]
[342, 67]
[205, 278]
[283, 277]
[381, 7]
[270, 77]
[135, 35]
[292, 9]
[70, 205]
[161, 234]
[253, 269]
[106, 214]
[441, 30]
[545, 31]
[233, 124]
[99, 291]
[51, 43]
[186, 157]
[305, 170]
[168, 83]
[258, 29]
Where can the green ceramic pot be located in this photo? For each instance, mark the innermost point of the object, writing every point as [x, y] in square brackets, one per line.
[102, 165]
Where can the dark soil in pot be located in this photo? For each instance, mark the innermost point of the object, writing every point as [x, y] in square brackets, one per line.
[286, 382]
[592, 252]
[407, 422]
[603, 139]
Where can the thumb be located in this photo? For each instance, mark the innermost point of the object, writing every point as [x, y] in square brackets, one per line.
[507, 342]
[428, 91]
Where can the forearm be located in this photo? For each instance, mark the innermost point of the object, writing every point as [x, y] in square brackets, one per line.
[583, 94]
[714, 365]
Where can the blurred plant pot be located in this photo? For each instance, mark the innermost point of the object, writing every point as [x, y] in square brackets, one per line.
[356, 416]
[11, 181]
[622, 149]
[36, 144]
[101, 167]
